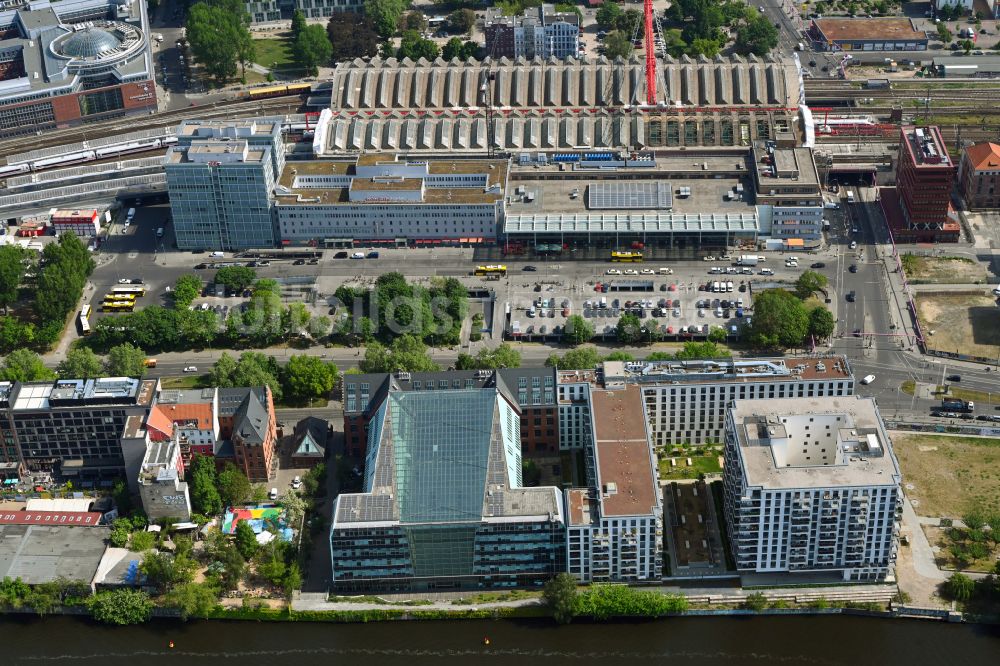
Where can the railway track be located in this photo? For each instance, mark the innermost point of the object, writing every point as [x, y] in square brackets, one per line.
[271, 106]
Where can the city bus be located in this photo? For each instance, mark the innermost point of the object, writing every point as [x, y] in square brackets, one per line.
[626, 256]
[499, 270]
[136, 289]
[84, 320]
[130, 298]
[118, 306]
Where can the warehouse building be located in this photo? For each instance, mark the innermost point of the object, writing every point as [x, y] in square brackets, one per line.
[556, 105]
[812, 487]
[867, 34]
[64, 63]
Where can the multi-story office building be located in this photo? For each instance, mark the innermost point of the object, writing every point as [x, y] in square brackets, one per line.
[979, 176]
[74, 61]
[72, 428]
[919, 209]
[788, 191]
[686, 401]
[540, 32]
[381, 198]
[324, 8]
[220, 179]
[614, 526]
[534, 389]
[443, 506]
[263, 11]
[811, 486]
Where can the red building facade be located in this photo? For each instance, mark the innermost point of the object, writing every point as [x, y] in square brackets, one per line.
[925, 176]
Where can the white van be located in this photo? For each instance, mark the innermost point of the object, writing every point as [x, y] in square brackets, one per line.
[729, 286]
[715, 287]
[218, 254]
[273, 495]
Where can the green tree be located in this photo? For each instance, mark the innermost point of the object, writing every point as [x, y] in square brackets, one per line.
[80, 363]
[246, 540]
[12, 270]
[252, 369]
[959, 587]
[756, 35]
[217, 31]
[120, 533]
[618, 45]
[235, 278]
[271, 565]
[755, 601]
[967, 45]
[619, 356]
[452, 49]
[503, 356]
[142, 541]
[292, 580]
[462, 21]
[234, 487]
[699, 350]
[406, 354]
[298, 23]
[352, 36]
[192, 600]
[205, 497]
[809, 283]
[578, 330]
[24, 365]
[121, 607]
[821, 323]
[582, 358]
[609, 14]
[186, 289]
[385, 15]
[779, 320]
[308, 377]
[944, 34]
[629, 331]
[717, 334]
[413, 20]
[312, 48]
[125, 360]
[559, 595]
[414, 47]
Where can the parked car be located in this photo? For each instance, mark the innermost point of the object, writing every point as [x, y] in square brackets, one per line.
[853, 268]
[191, 368]
[868, 379]
[850, 297]
[817, 264]
[954, 378]
[530, 269]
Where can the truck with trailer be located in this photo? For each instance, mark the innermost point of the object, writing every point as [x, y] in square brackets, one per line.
[958, 405]
[748, 260]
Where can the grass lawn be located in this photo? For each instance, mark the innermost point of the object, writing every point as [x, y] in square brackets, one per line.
[942, 269]
[949, 474]
[191, 381]
[909, 386]
[700, 464]
[274, 53]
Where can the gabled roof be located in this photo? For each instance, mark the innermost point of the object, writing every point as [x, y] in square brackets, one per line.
[984, 156]
[251, 420]
[310, 437]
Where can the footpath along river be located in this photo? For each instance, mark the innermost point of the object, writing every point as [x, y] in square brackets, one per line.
[812, 640]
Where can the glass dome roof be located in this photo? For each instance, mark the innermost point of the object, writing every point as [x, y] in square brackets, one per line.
[89, 43]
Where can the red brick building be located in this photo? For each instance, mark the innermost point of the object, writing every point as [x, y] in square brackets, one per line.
[924, 179]
[979, 176]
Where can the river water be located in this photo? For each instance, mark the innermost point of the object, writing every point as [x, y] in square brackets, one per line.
[810, 640]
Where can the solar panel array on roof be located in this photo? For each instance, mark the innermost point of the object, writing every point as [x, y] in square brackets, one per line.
[630, 195]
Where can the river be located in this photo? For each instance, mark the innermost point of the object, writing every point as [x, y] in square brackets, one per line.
[811, 640]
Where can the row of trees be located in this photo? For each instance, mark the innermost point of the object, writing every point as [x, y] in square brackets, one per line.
[302, 379]
[24, 365]
[62, 272]
[602, 602]
[587, 357]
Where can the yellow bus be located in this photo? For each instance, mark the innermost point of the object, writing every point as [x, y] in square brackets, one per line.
[84, 320]
[118, 306]
[626, 256]
[136, 289]
[130, 298]
[493, 269]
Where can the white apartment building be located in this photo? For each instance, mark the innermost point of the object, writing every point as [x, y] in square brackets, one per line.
[381, 198]
[614, 527]
[540, 32]
[686, 401]
[812, 486]
[789, 194]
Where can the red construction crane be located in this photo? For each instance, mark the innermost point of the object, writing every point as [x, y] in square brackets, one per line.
[650, 54]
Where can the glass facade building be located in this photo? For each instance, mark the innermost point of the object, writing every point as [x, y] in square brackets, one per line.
[443, 506]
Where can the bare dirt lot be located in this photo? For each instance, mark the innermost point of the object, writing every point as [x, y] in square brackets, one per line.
[949, 474]
[954, 270]
[964, 323]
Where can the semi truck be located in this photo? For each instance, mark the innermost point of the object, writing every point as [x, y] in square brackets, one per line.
[748, 260]
[957, 405]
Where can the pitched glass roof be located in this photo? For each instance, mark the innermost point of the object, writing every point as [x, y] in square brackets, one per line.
[442, 445]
